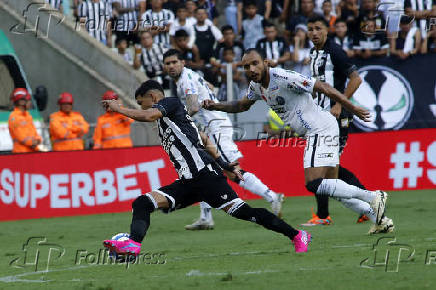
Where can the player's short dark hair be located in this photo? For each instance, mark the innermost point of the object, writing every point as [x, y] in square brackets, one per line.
[200, 8]
[228, 49]
[172, 52]
[318, 18]
[226, 28]
[148, 86]
[340, 20]
[181, 33]
[266, 24]
[259, 52]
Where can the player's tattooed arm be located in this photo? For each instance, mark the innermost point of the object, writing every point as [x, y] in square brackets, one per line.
[192, 104]
[230, 107]
[335, 95]
[149, 115]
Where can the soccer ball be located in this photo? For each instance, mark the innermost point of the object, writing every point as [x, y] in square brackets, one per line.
[118, 237]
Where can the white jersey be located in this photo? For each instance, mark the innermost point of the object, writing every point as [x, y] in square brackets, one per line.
[289, 94]
[191, 83]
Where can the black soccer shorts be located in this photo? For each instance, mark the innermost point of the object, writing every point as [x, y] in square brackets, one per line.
[210, 186]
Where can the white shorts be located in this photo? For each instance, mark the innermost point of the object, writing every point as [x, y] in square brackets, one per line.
[225, 145]
[322, 150]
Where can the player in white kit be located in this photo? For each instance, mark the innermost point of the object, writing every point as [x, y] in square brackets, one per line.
[192, 89]
[289, 94]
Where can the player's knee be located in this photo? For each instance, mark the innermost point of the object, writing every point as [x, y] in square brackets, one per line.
[313, 185]
[143, 203]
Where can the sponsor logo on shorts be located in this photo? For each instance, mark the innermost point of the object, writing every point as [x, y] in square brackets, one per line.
[224, 196]
[325, 155]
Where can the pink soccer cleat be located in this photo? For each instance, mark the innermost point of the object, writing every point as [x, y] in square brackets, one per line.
[301, 241]
[129, 247]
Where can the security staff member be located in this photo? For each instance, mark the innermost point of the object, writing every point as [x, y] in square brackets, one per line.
[113, 129]
[21, 127]
[67, 127]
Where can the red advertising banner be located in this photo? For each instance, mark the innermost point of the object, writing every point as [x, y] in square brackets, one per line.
[54, 184]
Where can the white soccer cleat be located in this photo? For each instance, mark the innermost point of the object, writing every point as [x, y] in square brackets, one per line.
[386, 226]
[276, 204]
[201, 224]
[379, 204]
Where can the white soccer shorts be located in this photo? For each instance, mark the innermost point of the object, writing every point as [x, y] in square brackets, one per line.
[226, 147]
[322, 150]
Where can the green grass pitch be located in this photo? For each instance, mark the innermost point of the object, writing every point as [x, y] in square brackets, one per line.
[236, 255]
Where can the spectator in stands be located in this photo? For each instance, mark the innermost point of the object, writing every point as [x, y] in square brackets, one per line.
[342, 38]
[229, 42]
[272, 46]
[122, 49]
[231, 12]
[252, 26]
[182, 22]
[429, 42]
[67, 127]
[209, 6]
[113, 129]
[349, 12]
[408, 41]
[368, 11]
[306, 12]
[329, 17]
[190, 55]
[21, 128]
[229, 58]
[97, 27]
[159, 20]
[280, 13]
[335, 7]
[129, 14]
[368, 44]
[56, 4]
[300, 50]
[150, 57]
[206, 35]
[172, 5]
[263, 8]
[191, 6]
[423, 12]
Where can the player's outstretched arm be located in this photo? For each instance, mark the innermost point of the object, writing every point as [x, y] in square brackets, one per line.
[230, 107]
[335, 95]
[213, 151]
[149, 115]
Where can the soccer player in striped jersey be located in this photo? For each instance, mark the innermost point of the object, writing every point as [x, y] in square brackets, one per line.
[192, 89]
[198, 165]
[289, 94]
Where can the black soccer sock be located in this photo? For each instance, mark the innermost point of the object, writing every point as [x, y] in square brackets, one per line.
[322, 203]
[349, 177]
[142, 208]
[264, 218]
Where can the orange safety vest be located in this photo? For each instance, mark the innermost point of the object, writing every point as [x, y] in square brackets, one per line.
[66, 131]
[22, 131]
[112, 131]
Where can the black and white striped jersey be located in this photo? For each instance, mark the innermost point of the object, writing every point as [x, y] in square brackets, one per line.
[97, 15]
[56, 4]
[180, 138]
[152, 60]
[331, 65]
[129, 20]
[272, 49]
[161, 18]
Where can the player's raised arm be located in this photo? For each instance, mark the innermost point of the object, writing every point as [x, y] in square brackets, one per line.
[148, 115]
[335, 95]
[230, 107]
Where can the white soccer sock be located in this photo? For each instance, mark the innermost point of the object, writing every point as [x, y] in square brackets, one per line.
[205, 211]
[253, 184]
[341, 189]
[360, 207]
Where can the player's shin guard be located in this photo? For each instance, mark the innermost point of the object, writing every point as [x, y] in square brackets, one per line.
[359, 207]
[253, 184]
[349, 177]
[262, 217]
[338, 188]
[142, 207]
